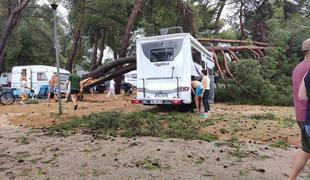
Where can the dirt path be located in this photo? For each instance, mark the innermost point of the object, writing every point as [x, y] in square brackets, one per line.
[27, 153]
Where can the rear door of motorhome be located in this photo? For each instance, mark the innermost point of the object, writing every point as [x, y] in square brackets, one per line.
[160, 69]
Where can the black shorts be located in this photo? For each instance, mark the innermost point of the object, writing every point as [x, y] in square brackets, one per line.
[74, 91]
[305, 140]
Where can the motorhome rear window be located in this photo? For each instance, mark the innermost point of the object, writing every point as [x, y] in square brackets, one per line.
[163, 54]
[42, 77]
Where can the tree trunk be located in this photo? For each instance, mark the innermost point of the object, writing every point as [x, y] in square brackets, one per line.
[186, 17]
[76, 36]
[242, 32]
[101, 48]
[218, 16]
[2, 61]
[110, 75]
[94, 58]
[131, 20]
[125, 40]
[243, 42]
[235, 48]
[109, 66]
[8, 28]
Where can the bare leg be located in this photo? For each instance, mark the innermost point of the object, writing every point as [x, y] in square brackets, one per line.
[56, 97]
[109, 93]
[23, 98]
[299, 163]
[67, 96]
[197, 104]
[74, 99]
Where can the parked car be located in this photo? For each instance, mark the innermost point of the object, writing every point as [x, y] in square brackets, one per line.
[100, 88]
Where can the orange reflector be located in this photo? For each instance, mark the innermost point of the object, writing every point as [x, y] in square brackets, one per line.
[176, 102]
[135, 101]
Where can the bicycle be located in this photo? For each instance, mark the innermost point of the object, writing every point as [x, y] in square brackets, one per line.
[6, 97]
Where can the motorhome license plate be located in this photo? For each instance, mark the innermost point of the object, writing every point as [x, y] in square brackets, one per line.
[161, 95]
[156, 101]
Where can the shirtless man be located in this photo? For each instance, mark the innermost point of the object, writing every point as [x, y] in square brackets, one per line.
[54, 84]
[50, 88]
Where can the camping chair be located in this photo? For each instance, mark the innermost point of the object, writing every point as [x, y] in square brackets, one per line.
[43, 92]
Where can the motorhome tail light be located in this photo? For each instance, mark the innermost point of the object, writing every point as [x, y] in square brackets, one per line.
[176, 102]
[135, 101]
[140, 89]
[184, 88]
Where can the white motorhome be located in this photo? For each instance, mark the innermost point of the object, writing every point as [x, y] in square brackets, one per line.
[131, 77]
[165, 65]
[37, 75]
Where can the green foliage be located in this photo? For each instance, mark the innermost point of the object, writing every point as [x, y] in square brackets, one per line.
[142, 123]
[280, 144]
[32, 41]
[249, 86]
[238, 151]
[265, 116]
[22, 140]
[287, 122]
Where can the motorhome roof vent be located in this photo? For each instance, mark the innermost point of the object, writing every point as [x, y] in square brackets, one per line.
[171, 30]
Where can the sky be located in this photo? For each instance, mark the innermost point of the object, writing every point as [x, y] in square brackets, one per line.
[61, 9]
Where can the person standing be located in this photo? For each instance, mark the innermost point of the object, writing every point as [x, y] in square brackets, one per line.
[23, 88]
[205, 90]
[55, 86]
[197, 91]
[299, 72]
[112, 89]
[75, 87]
[50, 89]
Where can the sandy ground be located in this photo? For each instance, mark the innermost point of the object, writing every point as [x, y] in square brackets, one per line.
[27, 153]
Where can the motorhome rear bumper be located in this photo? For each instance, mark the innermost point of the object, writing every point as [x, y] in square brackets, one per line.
[157, 101]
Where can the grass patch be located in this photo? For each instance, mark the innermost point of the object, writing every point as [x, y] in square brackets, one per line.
[32, 101]
[243, 173]
[265, 116]
[207, 174]
[280, 144]
[237, 151]
[151, 164]
[35, 160]
[287, 122]
[3, 169]
[22, 140]
[210, 122]
[235, 128]
[142, 123]
[49, 160]
[224, 131]
[200, 160]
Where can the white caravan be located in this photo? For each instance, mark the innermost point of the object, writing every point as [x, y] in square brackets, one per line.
[5, 79]
[165, 65]
[37, 75]
[131, 77]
